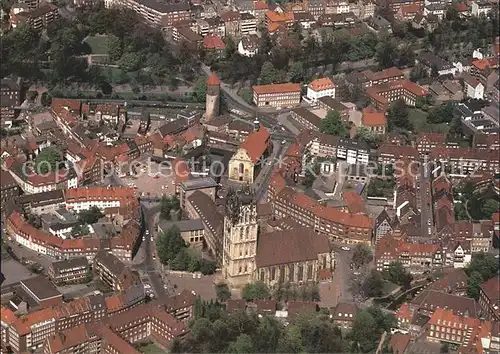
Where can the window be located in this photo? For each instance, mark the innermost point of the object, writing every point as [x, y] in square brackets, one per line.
[300, 274]
[273, 273]
[309, 271]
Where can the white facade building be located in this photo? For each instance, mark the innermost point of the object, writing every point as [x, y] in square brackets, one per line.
[320, 88]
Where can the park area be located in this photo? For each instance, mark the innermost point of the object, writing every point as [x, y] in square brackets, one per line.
[98, 44]
[151, 348]
[418, 118]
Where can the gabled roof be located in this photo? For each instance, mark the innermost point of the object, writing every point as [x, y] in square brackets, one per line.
[256, 143]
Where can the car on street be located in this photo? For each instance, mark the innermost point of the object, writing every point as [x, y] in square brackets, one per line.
[147, 286]
[152, 239]
[283, 142]
[147, 232]
[345, 248]
[429, 222]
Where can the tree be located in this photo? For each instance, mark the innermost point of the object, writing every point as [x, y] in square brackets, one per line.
[268, 74]
[296, 73]
[129, 62]
[474, 285]
[364, 134]
[207, 267]
[48, 160]
[200, 90]
[311, 173]
[441, 114]
[373, 284]
[365, 331]
[332, 124]
[362, 255]
[169, 245]
[168, 205]
[222, 292]
[247, 94]
[242, 345]
[398, 116]
[91, 215]
[255, 291]
[80, 230]
[444, 348]
[485, 264]
[230, 47]
[115, 47]
[291, 340]
[398, 275]
[387, 54]
[489, 207]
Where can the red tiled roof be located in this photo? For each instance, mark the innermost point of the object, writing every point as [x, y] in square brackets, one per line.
[213, 42]
[461, 7]
[98, 193]
[213, 80]
[491, 288]
[8, 316]
[181, 170]
[324, 83]
[256, 143]
[276, 88]
[355, 203]
[399, 342]
[384, 74]
[373, 118]
[260, 5]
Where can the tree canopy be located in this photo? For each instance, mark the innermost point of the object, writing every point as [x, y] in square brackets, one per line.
[362, 255]
[48, 160]
[397, 274]
[90, 216]
[256, 291]
[332, 124]
[398, 116]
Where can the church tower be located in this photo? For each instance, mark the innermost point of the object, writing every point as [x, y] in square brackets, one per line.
[240, 237]
[212, 106]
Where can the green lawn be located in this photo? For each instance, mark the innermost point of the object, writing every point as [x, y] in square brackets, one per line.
[419, 120]
[152, 349]
[97, 44]
[389, 287]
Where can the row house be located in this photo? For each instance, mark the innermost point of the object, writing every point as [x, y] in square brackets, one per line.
[319, 144]
[339, 225]
[395, 5]
[369, 78]
[486, 141]
[113, 272]
[390, 154]
[353, 151]
[425, 142]
[416, 257]
[382, 95]
[463, 161]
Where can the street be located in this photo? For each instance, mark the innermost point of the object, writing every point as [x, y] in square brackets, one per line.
[425, 196]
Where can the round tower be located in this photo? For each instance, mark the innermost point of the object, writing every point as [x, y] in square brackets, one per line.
[213, 97]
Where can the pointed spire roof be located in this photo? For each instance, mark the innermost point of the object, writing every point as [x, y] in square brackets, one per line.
[213, 80]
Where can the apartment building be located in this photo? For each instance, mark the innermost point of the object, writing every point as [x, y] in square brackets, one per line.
[338, 225]
[8, 187]
[247, 24]
[181, 305]
[156, 13]
[29, 331]
[205, 185]
[113, 272]
[464, 160]
[277, 95]
[390, 153]
[282, 258]
[101, 197]
[319, 144]
[69, 271]
[329, 103]
[381, 95]
[10, 96]
[464, 331]
[353, 151]
[489, 298]
[306, 118]
[42, 16]
[369, 78]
